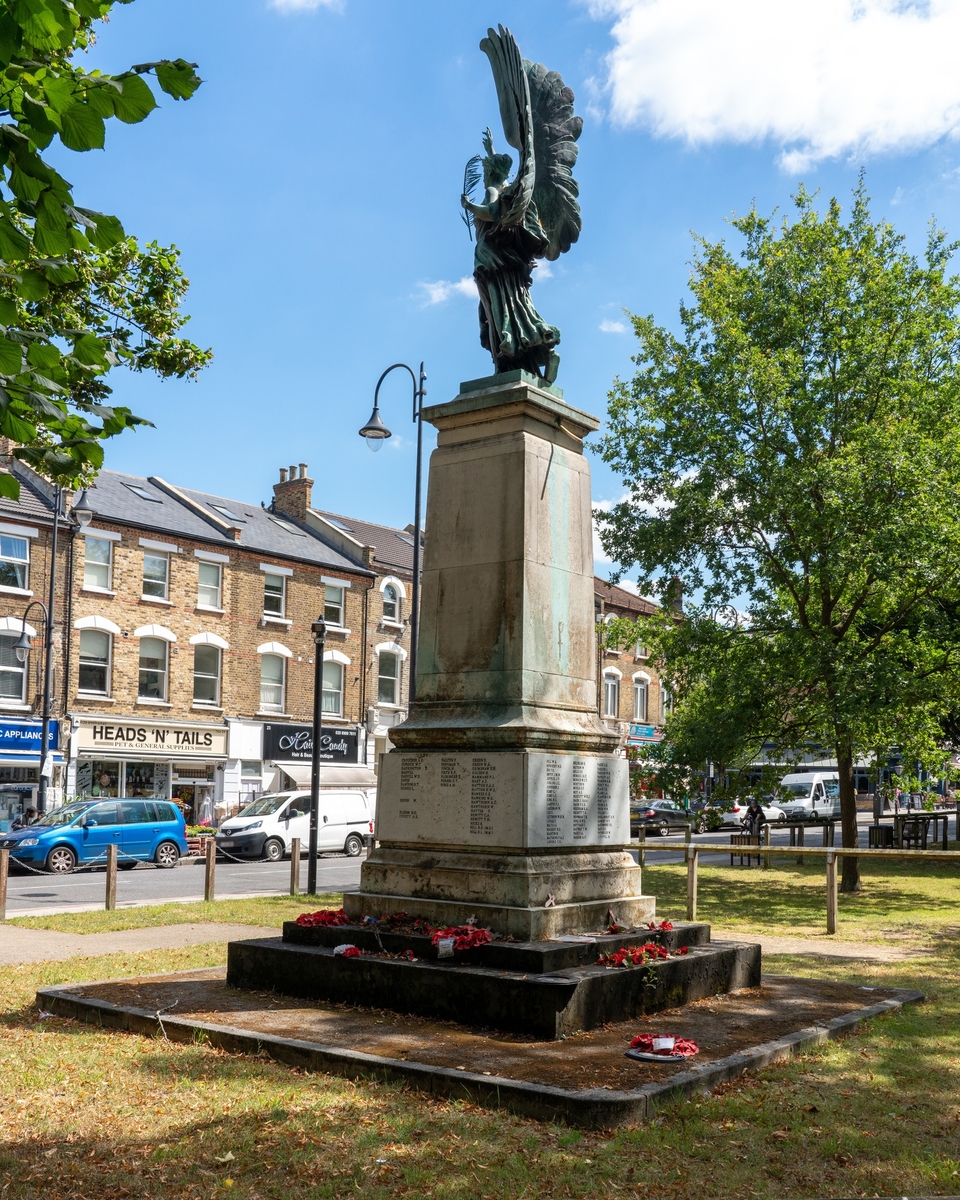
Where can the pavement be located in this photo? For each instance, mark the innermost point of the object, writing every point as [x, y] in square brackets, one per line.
[19, 945]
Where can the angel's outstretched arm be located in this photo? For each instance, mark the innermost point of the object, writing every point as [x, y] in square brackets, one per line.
[482, 212]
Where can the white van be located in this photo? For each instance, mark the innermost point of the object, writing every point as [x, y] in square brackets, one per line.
[815, 796]
[265, 828]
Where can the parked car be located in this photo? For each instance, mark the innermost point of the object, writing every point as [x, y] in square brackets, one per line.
[142, 831]
[659, 816]
[265, 828]
[734, 816]
[815, 796]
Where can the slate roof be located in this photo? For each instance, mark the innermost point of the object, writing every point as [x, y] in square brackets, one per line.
[36, 497]
[393, 547]
[147, 504]
[614, 597]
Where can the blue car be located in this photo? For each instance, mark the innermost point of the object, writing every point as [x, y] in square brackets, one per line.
[142, 831]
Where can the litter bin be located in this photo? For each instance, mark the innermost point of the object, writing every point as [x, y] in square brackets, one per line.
[881, 837]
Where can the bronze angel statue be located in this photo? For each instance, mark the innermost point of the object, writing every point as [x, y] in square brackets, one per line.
[534, 216]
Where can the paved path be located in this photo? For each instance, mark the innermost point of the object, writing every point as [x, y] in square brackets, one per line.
[821, 947]
[19, 945]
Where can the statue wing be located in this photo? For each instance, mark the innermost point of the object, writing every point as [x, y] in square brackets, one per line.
[555, 132]
[516, 114]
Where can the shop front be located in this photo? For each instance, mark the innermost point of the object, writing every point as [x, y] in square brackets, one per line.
[135, 758]
[20, 766]
[288, 754]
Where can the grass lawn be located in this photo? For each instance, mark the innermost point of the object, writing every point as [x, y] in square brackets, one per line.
[87, 1113]
[269, 911]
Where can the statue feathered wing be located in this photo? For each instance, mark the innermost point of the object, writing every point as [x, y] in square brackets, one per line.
[536, 108]
[555, 133]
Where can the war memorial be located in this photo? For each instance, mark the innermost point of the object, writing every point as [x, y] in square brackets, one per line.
[500, 946]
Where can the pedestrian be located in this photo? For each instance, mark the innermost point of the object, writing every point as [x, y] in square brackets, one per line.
[27, 817]
[755, 818]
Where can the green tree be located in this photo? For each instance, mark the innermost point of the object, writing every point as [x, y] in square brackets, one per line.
[77, 297]
[796, 452]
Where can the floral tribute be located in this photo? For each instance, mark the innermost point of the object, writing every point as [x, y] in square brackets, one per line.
[347, 951]
[664, 925]
[326, 916]
[402, 922]
[682, 1047]
[636, 956]
[465, 937]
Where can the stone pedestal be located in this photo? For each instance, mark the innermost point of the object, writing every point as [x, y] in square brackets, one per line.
[506, 799]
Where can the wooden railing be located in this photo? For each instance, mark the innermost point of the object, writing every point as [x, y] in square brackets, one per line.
[765, 850]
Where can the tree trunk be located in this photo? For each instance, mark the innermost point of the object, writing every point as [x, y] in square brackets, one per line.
[848, 812]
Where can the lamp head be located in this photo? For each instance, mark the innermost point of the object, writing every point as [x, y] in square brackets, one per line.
[23, 646]
[83, 511]
[319, 628]
[375, 432]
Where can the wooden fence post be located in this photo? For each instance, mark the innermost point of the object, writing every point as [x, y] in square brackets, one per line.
[110, 900]
[799, 845]
[831, 893]
[693, 856]
[642, 839]
[294, 866]
[766, 842]
[4, 876]
[211, 869]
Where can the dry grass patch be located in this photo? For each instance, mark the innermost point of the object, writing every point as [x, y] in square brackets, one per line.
[87, 1113]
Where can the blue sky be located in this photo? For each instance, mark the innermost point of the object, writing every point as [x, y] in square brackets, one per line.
[312, 186]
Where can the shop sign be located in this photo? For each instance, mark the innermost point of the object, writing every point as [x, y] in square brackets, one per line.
[24, 736]
[294, 743]
[644, 733]
[172, 741]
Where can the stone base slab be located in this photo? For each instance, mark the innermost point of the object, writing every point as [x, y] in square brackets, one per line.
[313, 1040]
[531, 897]
[546, 1006]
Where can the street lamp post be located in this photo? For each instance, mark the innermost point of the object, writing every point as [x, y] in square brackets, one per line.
[375, 433]
[22, 647]
[319, 628]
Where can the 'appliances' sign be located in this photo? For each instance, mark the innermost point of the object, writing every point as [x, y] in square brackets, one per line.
[294, 743]
[24, 736]
[172, 741]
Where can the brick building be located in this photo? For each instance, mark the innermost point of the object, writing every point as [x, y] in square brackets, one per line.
[629, 693]
[388, 552]
[191, 659]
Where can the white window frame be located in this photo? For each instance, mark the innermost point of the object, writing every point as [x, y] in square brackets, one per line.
[16, 562]
[165, 672]
[268, 613]
[158, 555]
[666, 704]
[395, 679]
[269, 707]
[20, 669]
[207, 646]
[334, 665]
[641, 682]
[340, 608]
[98, 587]
[82, 691]
[218, 607]
[608, 675]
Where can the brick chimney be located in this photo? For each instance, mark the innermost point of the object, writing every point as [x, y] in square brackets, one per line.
[292, 494]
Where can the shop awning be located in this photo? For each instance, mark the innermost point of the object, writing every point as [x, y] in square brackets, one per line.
[331, 775]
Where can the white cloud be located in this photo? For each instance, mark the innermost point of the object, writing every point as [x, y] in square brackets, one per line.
[608, 326]
[543, 269]
[443, 289]
[305, 5]
[821, 77]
